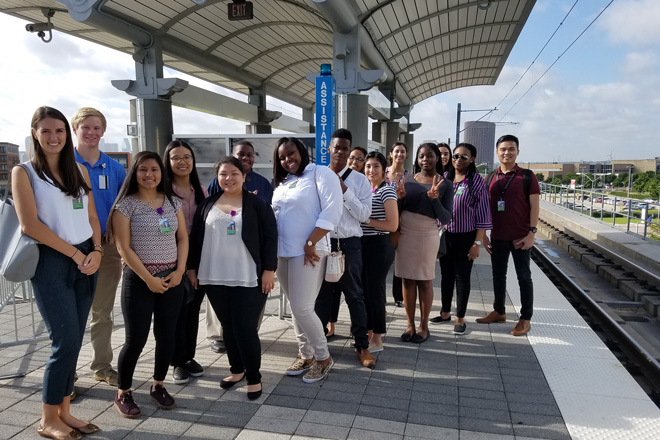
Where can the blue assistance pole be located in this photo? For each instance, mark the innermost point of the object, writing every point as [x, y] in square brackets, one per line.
[325, 113]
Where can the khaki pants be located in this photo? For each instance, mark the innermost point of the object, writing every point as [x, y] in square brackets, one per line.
[104, 301]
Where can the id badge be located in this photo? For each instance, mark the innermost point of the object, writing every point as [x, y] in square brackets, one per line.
[78, 203]
[231, 228]
[164, 226]
[460, 190]
[500, 205]
[103, 182]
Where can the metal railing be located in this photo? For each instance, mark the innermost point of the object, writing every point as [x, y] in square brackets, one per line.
[23, 314]
[609, 209]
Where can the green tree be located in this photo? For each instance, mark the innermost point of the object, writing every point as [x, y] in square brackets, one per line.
[639, 181]
[557, 180]
[570, 176]
[653, 187]
[609, 178]
[621, 180]
[539, 177]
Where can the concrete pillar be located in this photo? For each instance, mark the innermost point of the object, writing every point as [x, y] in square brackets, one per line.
[151, 110]
[353, 114]
[409, 140]
[308, 116]
[154, 123]
[257, 97]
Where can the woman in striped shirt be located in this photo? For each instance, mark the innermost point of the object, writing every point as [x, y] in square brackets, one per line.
[377, 248]
[469, 221]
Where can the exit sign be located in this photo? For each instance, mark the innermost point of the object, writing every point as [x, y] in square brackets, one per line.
[240, 11]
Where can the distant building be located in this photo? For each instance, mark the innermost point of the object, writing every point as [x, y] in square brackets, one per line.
[481, 134]
[8, 159]
[638, 166]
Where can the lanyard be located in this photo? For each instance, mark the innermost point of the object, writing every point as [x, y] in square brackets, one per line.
[499, 185]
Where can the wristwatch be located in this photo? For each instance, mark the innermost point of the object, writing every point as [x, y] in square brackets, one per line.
[477, 242]
[309, 243]
[533, 229]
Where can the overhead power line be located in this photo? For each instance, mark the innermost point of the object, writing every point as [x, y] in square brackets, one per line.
[558, 58]
[539, 54]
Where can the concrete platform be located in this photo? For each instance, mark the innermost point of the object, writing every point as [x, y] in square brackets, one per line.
[559, 382]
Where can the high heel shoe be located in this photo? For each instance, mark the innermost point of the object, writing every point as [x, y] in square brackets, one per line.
[254, 395]
[227, 384]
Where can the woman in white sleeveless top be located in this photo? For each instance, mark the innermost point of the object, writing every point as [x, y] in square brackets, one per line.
[58, 211]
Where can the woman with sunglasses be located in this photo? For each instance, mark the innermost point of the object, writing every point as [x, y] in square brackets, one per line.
[179, 163]
[469, 221]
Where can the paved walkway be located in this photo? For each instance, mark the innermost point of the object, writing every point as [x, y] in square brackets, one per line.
[483, 385]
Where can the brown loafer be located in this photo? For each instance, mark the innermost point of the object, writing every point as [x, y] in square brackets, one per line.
[89, 428]
[73, 435]
[491, 318]
[522, 328]
[366, 358]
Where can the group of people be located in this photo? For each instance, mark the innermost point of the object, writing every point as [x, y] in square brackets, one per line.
[90, 215]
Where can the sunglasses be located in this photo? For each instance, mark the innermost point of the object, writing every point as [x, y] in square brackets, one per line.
[461, 156]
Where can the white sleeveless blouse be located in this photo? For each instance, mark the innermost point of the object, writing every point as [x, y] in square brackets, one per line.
[56, 209]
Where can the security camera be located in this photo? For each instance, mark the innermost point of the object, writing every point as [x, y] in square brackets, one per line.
[38, 27]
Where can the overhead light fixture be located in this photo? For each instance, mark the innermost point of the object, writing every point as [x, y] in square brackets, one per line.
[483, 5]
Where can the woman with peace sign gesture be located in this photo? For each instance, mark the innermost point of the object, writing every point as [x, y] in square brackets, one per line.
[426, 200]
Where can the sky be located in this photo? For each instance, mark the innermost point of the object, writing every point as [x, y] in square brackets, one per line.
[599, 101]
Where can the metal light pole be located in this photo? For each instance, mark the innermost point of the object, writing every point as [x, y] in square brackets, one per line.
[458, 119]
[629, 181]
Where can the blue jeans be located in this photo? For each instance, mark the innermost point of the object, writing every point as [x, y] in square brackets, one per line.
[500, 262]
[64, 296]
[351, 284]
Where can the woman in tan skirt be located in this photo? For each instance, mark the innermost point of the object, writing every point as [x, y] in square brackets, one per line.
[426, 200]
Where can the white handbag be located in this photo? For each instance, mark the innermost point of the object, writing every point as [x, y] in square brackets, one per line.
[334, 268]
[19, 253]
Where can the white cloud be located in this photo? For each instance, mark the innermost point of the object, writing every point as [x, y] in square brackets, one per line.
[633, 22]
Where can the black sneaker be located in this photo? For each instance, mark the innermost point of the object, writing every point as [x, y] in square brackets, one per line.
[218, 346]
[398, 303]
[181, 375]
[459, 329]
[160, 395]
[194, 368]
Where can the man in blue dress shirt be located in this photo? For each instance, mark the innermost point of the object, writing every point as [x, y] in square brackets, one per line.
[107, 176]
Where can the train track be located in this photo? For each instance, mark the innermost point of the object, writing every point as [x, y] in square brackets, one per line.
[639, 362]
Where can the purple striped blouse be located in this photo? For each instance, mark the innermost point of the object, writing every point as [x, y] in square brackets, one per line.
[470, 213]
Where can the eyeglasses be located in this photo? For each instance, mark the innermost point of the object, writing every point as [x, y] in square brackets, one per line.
[357, 159]
[186, 158]
[461, 156]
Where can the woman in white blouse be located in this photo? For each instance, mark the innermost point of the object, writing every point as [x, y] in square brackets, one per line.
[233, 257]
[308, 204]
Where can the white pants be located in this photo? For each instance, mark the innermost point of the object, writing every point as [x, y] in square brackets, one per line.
[302, 284]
